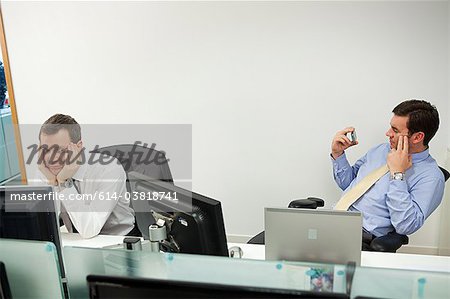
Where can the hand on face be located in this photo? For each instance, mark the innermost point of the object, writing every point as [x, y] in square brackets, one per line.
[341, 142]
[399, 159]
[51, 178]
[71, 166]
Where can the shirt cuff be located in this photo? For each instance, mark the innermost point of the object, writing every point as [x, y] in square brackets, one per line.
[340, 161]
[398, 185]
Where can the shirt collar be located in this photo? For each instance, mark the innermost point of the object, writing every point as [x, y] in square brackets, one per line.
[417, 157]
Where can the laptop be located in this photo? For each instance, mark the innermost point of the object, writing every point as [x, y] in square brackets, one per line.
[323, 236]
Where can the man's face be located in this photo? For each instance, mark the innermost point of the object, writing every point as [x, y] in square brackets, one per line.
[398, 128]
[55, 147]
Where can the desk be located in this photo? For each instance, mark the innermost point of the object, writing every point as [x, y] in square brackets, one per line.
[100, 241]
[257, 252]
[374, 259]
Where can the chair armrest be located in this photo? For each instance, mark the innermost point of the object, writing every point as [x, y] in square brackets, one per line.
[389, 243]
[320, 202]
[307, 203]
[303, 204]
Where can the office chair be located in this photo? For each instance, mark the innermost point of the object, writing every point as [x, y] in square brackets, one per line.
[144, 160]
[388, 243]
[141, 159]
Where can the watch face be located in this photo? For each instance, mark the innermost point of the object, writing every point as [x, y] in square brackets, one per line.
[68, 183]
[398, 176]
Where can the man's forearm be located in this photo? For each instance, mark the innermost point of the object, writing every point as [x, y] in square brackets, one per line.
[409, 208]
[342, 171]
[406, 216]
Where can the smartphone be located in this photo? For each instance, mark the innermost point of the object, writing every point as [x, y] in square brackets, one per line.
[353, 137]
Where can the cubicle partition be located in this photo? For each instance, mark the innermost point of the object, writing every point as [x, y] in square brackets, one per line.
[81, 262]
[327, 279]
[32, 269]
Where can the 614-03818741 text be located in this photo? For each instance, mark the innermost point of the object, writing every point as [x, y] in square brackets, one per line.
[102, 196]
[152, 196]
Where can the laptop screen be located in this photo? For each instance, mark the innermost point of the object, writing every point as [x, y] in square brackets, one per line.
[323, 236]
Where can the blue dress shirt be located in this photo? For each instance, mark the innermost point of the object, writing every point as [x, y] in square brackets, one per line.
[393, 204]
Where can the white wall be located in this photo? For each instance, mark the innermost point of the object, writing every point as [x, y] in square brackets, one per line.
[264, 84]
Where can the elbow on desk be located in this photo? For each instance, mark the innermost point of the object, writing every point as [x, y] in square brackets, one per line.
[90, 230]
[88, 234]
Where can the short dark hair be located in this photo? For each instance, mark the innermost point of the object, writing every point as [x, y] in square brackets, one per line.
[422, 117]
[58, 122]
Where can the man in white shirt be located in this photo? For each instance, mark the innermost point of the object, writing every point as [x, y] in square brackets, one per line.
[94, 192]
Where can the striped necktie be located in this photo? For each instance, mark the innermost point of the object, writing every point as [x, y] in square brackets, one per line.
[65, 216]
[359, 189]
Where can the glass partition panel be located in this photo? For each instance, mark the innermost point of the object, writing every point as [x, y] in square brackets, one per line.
[32, 268]
[11, 156]
[367, 282]
[390, 283]
[81, 262]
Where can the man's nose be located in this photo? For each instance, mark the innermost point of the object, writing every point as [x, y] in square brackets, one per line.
[53, 157]
[389, 133]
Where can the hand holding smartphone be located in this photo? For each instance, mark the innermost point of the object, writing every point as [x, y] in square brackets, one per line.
[343, 140]
[353, 137]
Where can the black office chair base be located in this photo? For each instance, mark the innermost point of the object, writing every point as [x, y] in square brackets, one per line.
[389, 243]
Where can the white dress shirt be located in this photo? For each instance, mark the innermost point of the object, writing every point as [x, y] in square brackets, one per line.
[102, 206]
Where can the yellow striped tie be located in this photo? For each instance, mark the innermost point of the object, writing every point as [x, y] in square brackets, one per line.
[357, 191]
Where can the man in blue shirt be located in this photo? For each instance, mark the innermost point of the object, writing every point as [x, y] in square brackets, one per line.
[413, 187]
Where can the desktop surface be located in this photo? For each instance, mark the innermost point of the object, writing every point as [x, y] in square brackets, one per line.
[257, 252]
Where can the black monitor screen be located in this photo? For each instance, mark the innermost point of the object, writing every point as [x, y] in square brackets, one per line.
[101, 287]
[198, 225]
[5, 291]
[28, 213]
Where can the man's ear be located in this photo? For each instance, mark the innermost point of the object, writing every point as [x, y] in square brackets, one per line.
[80, 144]
[417, 137]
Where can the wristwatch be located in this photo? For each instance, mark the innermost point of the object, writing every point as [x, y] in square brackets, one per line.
[398, 176]
[67, 184]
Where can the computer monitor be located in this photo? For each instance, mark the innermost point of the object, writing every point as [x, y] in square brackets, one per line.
[197, 227]
[23, 216]
[101, 287]
[5, 291]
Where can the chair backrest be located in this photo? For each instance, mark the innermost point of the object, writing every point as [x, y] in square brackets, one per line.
[393, 241]
[445, 172]
[144, 160]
